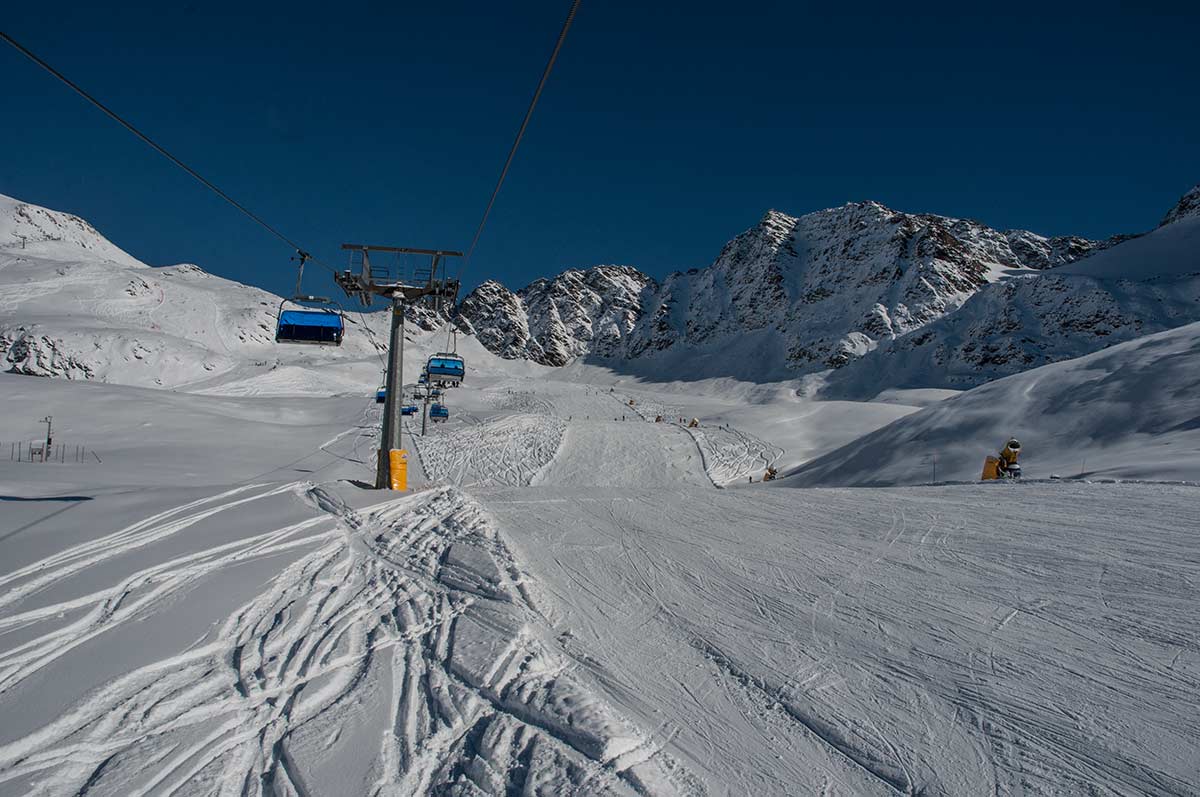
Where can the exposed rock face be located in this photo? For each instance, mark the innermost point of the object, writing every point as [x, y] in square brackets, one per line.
[553, 321]
[832, 283]
[1038, 252]
[1147, 284]
[32, 354]
[1187, 207]
[495, 315]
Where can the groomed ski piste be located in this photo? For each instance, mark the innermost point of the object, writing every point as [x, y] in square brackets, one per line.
[577, 597]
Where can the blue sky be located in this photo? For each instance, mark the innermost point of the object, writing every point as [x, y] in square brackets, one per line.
[665, 130]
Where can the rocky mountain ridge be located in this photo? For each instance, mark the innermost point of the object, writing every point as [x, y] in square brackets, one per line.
[1144, 285]
[553, 321]
[833, 284]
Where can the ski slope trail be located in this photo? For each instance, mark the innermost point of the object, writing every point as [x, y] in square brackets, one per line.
[730, 455]
[985, 639]
[626, 453]
[397, 656]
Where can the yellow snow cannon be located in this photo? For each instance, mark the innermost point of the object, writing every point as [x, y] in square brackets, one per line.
[1004, 466]
[991, 469]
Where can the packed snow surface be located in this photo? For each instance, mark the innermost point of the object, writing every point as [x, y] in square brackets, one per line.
[568, 604]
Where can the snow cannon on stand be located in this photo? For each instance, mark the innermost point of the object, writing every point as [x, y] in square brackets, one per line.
[1004, 466]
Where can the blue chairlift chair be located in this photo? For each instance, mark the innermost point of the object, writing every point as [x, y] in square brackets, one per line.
[323, 327]
[446, 367]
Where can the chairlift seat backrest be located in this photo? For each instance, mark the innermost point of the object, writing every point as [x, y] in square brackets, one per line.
[310, 326]
[446, 367]
[439, 411]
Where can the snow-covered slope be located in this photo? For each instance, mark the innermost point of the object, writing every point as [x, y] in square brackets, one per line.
[215, 605]
[828, 286]
[1171, 251]
[1145, 284]
[73, 305]
[1131, 412]
[51, 234]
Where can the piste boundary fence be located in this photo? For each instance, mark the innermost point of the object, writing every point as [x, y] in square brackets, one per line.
[62, 453]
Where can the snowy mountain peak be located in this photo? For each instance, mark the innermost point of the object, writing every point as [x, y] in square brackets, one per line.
[823, 288]
[41, 231]
[553, 321]
[1187, 207]
[836, 282]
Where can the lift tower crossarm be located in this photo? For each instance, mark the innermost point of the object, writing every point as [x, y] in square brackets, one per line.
[404, 250]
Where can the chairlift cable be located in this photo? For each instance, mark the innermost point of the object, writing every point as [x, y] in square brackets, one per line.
[300, 251]
[158, 148]
[562, 35]
[304, 255]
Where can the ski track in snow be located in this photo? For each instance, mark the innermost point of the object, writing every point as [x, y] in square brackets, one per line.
[505, 451]
[730, 454]
[411, 609]
[936, 642]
